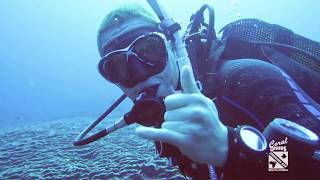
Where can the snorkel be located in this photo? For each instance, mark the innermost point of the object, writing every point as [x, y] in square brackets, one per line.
[146, 106]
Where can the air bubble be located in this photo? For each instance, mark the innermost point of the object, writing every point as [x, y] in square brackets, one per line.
[234, 3]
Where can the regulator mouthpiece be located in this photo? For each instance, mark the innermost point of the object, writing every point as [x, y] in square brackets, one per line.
[148, 110]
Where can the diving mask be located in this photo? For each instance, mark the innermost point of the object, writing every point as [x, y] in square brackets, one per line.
[145, 56]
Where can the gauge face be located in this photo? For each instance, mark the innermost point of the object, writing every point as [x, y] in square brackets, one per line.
[253, 138]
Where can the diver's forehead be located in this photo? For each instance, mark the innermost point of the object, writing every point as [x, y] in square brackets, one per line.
[124, 34]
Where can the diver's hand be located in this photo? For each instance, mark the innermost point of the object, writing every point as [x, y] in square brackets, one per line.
[192, 124]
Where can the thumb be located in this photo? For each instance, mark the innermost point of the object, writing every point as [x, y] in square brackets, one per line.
[188, 82]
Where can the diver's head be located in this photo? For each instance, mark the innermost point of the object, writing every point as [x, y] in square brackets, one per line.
[135, 54]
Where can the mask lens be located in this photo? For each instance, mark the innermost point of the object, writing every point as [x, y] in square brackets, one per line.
[115, 67]
[145, 57]
[151, 49]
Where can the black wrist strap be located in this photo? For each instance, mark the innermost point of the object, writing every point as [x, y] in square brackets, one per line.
[232, 152]
[240, 162]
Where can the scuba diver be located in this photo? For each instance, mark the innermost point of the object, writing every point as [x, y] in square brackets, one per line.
[254, 77]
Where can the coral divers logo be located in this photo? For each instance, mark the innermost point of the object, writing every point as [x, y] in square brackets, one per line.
[278, 156]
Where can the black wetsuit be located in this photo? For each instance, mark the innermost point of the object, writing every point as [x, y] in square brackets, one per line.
[256, 83]
[252, 84]
[254, 93]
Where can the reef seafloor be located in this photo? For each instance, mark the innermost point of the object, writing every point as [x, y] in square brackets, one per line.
[45, 151]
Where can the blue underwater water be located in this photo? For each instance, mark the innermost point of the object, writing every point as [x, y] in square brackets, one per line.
[51, 88]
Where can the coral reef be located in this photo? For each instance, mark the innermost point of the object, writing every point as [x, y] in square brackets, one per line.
[45, 151]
